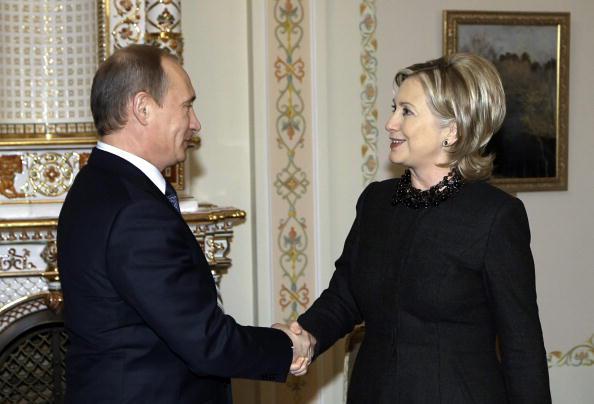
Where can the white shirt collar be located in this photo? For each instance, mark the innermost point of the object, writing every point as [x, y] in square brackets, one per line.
[147, 168]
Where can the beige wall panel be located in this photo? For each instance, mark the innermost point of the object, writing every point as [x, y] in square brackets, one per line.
[216, 58]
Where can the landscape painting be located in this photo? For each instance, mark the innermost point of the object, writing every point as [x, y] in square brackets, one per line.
[530, 148]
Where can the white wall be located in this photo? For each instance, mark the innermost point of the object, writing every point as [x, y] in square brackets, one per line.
[216, 58]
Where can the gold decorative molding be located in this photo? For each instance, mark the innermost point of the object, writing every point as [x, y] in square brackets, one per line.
[163, 25]
[15, 261]
[26, 305]
[578, 356]
[38, 176]
[10, 166]
[213, 228]
[28, 250]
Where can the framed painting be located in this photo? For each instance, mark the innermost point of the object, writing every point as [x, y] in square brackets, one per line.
[531, 53]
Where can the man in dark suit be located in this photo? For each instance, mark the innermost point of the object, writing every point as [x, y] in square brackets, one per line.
[140, 302]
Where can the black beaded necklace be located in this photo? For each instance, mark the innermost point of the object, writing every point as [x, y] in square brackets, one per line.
[414, 198]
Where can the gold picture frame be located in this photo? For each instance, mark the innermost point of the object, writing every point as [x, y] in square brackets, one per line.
[531, 52]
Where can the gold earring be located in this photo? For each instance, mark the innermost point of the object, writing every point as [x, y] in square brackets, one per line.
[445, 143]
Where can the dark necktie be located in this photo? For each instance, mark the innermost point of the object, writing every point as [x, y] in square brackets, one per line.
[171, 196]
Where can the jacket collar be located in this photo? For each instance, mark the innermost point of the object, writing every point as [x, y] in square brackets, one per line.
[122, 168]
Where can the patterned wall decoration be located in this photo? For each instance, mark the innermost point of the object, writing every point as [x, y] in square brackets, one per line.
[163, 25]
[126, 23]
[38, 176]
[27, 258]
[368, 95]
[579, 355]
[291, 168]
[291, 181]
[155, 22]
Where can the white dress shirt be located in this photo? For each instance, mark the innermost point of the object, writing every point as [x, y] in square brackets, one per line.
[147, 168]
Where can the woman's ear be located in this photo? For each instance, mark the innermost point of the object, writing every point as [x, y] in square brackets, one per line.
[141, 107]
[451, 133]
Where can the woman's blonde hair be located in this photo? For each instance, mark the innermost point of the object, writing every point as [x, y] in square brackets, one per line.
[464, 90]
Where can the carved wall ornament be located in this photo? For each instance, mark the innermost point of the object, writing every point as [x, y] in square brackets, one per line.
[50, 255]
[83, 159]
[10, 166]
[14, 261]
[127, 21]
[50, 174]
[163, 25]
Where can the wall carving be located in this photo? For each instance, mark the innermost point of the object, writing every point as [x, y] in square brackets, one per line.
[28, 252]
[38, 176]
[156, 22]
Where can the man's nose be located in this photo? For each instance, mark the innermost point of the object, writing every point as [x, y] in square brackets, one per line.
[195, 124]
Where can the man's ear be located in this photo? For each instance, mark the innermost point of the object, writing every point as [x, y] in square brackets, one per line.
[141, 107]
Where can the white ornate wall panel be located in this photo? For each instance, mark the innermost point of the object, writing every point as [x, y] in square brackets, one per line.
[39, 175]
[143, 21]
[46, 66]
[28, 258]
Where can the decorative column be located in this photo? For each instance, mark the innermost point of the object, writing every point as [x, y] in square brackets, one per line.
[291, 171]
[368, 79]
[163, 25]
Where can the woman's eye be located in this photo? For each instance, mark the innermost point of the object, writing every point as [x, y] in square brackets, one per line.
[393, 106]
[406, 111]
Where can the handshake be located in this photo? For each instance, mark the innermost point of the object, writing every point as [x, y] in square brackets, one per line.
[303, 346]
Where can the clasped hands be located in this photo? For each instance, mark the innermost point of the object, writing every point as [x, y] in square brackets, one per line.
[303, 346]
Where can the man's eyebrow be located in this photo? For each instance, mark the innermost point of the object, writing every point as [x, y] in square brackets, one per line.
[191, 100]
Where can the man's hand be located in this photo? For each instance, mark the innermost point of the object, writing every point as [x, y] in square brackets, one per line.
[303, 346]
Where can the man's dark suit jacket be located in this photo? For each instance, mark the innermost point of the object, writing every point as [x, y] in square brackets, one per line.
[140, 302]
[434, 287]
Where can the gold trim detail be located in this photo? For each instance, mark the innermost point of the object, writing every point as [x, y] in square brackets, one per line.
[579, 355]
[10, 166]
[24, 306]
[18, 262]
[51, 174]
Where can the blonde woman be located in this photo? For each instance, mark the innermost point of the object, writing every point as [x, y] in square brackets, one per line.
[438, 263]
